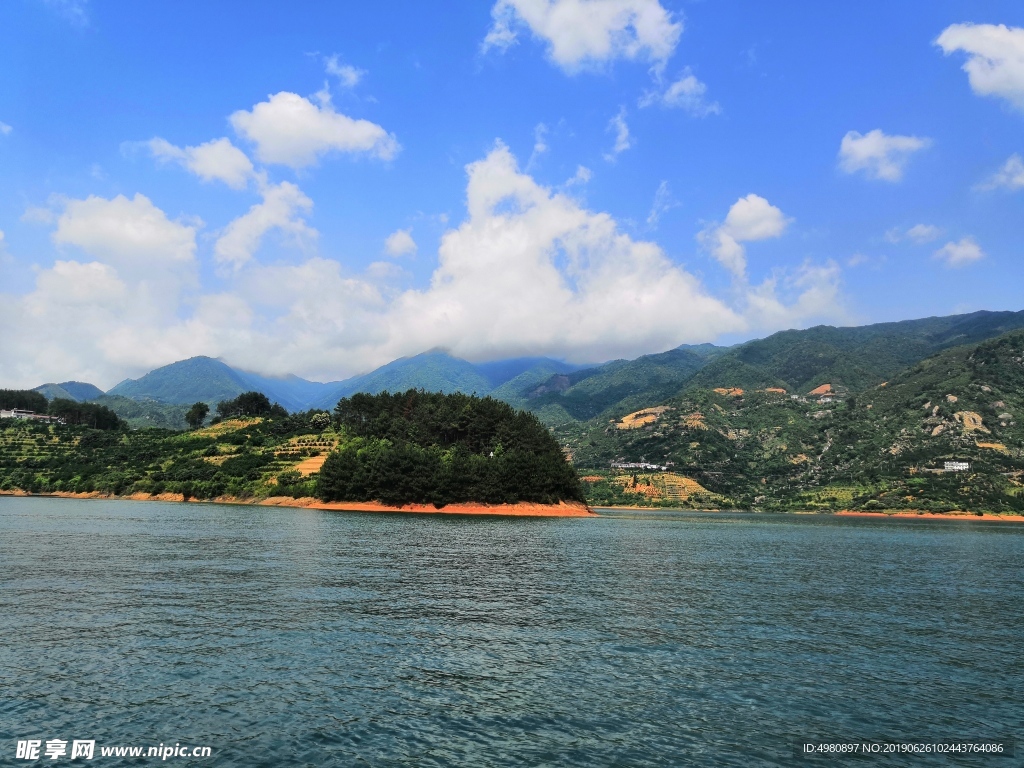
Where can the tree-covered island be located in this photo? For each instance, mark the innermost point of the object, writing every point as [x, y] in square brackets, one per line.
[405, 448]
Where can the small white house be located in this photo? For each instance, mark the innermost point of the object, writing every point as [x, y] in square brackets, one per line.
[956, 466]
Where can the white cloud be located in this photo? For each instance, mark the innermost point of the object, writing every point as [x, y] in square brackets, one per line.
[1010, 176]
[687, 93]
[108, 316]
[995, 58]
[74, 283]
[133, 235]
[663, 202]
[347, 75]
[878, 155]
[282, 208]
[810, 294]
[540, 143]
[288, 129]
[215, 160]
[623, 140]
[924, 233]
[919, 233]
[400, 243]
[5, 129]
[965, 251]
[582, 33]
[581, 177]
[73, 11]
[529, 270]
[750, 218]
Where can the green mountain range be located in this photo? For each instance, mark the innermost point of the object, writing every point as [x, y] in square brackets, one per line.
[943, 434]
[921, 414]
[850, 359]
[78, 391]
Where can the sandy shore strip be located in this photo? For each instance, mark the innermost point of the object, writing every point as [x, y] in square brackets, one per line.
[911, 515]
[521, 509]
[907, 514]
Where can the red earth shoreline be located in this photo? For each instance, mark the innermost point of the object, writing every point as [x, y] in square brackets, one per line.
[521, 509]
[987, 516]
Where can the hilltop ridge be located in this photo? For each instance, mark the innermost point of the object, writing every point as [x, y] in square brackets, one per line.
[850, 358]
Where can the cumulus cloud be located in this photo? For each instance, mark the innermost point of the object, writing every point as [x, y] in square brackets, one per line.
[810, 293]
[5, 129]
[108, 315]
[283, 208]
[961, 253]
[132, 234]
[878, 155]
[750, 218]
[218, 160]
[587, 33]
[924, 233]
[77, 284]
[289, 129]
[1010, 176]
[347, 75]
[529, 270]
[919, 233]
[687, 93]
[995, 58]
[400, 243]
[623, 140]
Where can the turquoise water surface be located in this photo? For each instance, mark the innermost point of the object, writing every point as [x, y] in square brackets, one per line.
[291, 637]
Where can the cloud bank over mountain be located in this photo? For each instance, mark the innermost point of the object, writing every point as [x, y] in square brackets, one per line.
[529, 271]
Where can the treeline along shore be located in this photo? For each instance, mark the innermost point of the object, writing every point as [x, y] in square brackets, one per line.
[410, 451]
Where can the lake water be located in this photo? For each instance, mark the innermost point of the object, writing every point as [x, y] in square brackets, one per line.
[291, 637]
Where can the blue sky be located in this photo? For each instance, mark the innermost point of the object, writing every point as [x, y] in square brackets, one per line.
[321, 188]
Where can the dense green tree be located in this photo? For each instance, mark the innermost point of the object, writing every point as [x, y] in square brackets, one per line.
[22, 399]
[85, 414]
[196, 415]
[247, 404]
[442, 448]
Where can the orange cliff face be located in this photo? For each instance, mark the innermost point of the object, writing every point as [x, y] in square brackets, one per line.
[824, 389]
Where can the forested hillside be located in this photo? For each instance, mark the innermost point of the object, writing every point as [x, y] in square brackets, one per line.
[851, 358]
[409, 447]
[428, 447]
[882, 448]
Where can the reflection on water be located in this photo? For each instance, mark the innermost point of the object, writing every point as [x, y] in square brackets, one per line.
[301, 637]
